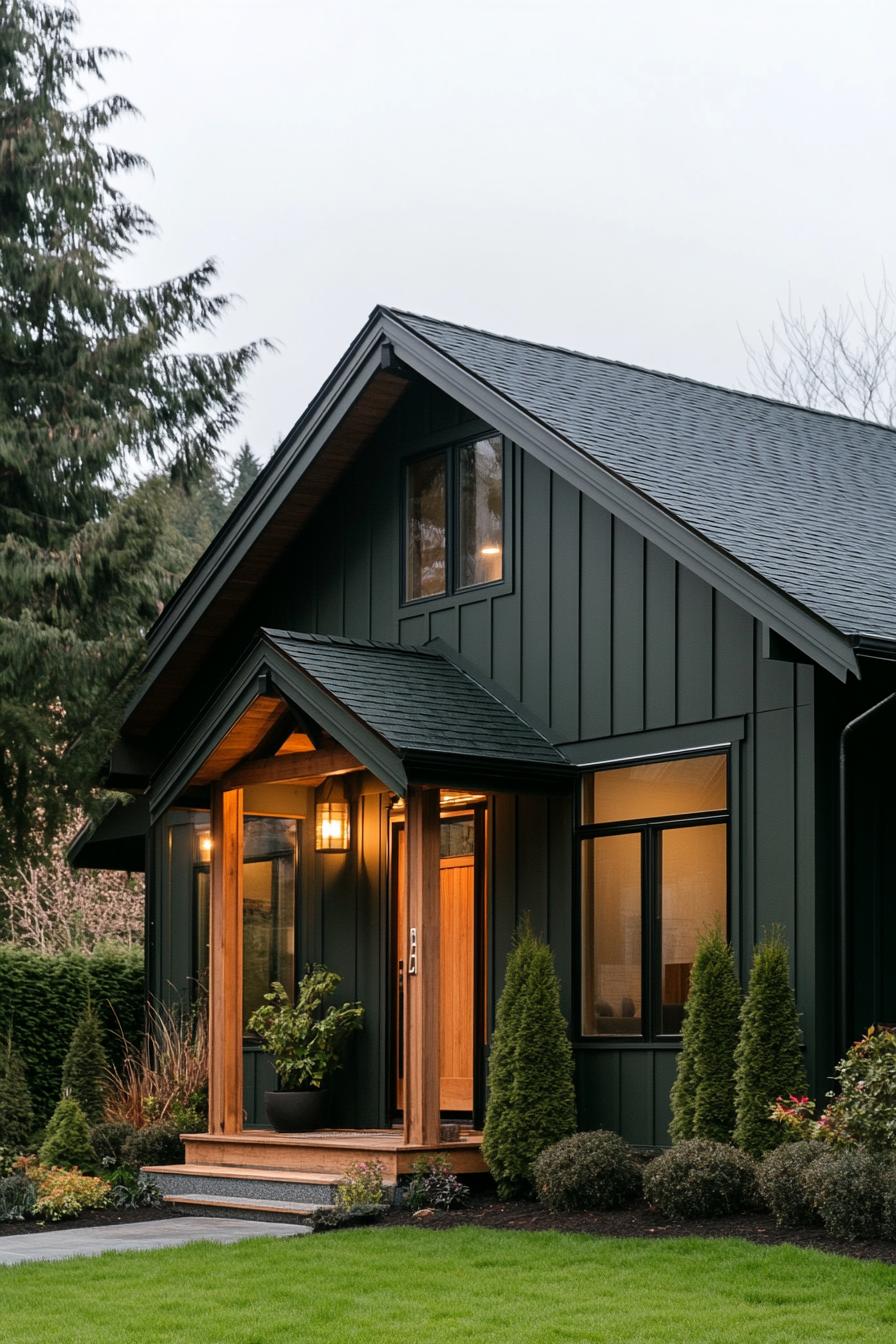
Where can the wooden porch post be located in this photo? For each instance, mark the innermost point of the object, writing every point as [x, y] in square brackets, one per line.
[422, 1120]
[225, 1061]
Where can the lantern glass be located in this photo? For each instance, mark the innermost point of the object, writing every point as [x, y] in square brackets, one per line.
[331, 827]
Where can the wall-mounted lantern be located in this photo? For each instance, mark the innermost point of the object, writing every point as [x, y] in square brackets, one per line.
[332, 825]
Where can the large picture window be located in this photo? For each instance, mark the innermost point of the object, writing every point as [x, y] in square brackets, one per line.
[454, 519]
[654, 875]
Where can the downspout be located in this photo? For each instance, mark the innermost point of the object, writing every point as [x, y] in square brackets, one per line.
[843, 865]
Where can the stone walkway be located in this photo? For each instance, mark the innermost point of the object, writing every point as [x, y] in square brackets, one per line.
[63, 1243]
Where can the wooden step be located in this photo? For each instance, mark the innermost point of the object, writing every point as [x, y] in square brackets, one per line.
[328, 1152]
[297, 1177]
[283, 1207]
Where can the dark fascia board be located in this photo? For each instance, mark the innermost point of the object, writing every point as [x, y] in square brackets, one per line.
[489, 775]
[806, 631]
[299, 449]
[114, 841]
[298, 689]
[657, 742]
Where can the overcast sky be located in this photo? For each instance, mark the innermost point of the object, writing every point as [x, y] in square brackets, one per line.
[641, 179]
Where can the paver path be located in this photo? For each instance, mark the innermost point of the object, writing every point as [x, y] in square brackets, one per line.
[62, 1243]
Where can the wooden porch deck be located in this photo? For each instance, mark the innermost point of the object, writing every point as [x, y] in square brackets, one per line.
[328, 1151]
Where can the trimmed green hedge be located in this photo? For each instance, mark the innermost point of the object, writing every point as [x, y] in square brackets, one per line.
[42, 998]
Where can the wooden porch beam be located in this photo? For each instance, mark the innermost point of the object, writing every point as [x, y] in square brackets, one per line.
[225, 1062]
[422, 1117]
[300, 765]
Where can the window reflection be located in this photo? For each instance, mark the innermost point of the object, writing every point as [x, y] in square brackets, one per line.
[480, 512]
[425, 562]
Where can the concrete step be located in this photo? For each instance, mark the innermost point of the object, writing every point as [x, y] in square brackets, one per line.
[265, 1210]
[241, 1183]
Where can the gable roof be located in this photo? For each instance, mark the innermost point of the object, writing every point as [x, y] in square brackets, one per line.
[409, 714]
[805, 498]
[787, 511]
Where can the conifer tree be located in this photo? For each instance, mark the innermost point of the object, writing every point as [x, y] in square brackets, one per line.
[769, 1056]
[16, 1112]
[67, 1140]
[703, 1093]
[85, 1067]
[94, 391]
[532, 1100]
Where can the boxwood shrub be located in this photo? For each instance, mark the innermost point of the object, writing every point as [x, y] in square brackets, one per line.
[700, 1179]
[592, 1170]
[847, 1187]
[42, 999]
[783, 1184]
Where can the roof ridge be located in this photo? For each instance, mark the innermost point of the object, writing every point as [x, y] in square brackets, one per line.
[379, 645]
[642, 368]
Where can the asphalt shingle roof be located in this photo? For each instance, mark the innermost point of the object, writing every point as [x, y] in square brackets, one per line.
[416, 699]
[804, 498]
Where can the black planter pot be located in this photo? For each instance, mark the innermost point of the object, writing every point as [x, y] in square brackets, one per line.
[296, 1112]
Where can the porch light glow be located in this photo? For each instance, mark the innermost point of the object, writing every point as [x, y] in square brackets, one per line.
[205, 845]
[331, 827]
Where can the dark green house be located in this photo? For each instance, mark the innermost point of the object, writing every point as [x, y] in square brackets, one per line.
[507, 628]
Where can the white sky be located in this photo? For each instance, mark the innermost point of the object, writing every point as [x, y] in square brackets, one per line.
[634, 178]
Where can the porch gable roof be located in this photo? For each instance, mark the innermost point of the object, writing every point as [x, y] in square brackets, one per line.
[408, 714]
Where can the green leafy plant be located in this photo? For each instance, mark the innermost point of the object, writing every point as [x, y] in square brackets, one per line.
[592, 1170]
[131, 1191]
[847, 1188]
[781, 1178]
[700, 1179]
[152, 1146]
[532, 1101]
[86, 1066]
[361, 1185]
[433, 1185]
[305, 1042]
[769, 1056]
[703, 1093]
[18, 1196]
[67, 1141]
[331, 1218]
[864, 1110]
[16, 1111]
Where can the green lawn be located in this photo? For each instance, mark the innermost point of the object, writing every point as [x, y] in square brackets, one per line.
[469, 1284]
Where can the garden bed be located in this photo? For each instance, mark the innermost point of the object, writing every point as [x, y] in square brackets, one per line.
[638, 1221]
[91, 1218]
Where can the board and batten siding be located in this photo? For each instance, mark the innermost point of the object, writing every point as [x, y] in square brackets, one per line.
[600, 635]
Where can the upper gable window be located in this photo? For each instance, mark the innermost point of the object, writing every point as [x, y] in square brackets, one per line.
[454, 519]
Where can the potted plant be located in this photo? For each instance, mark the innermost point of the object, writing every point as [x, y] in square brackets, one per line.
[305, 1044]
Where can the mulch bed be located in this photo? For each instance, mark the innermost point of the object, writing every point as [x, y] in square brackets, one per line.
[95, 1218]
[638, 1221]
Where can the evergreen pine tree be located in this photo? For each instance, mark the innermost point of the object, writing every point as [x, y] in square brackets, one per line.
[245, 469]
[93, 390]
[16, 1113]
[67, 1140]
[85, 1067]
[769, 1056]
[531, 1093]
[703, 1093]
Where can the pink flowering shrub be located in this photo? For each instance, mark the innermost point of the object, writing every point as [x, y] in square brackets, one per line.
[864, 1109]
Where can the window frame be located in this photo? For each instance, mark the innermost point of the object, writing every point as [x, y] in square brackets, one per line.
[450, 453]
[650, 830]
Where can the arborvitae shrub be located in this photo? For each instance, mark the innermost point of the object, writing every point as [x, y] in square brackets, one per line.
[783, 1187]
[531, 1094]
[769, 1056]
[67, 1142]
[595, 1170]
[703, 1092]
[847, 1187]
[86, 1065]
[16, 1112]
[700, 1179]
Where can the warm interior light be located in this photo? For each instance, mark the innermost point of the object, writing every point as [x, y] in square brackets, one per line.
[205, 845]
[490, 550]
[331, 830]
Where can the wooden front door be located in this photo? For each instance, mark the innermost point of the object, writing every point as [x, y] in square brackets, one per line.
[459, 948]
